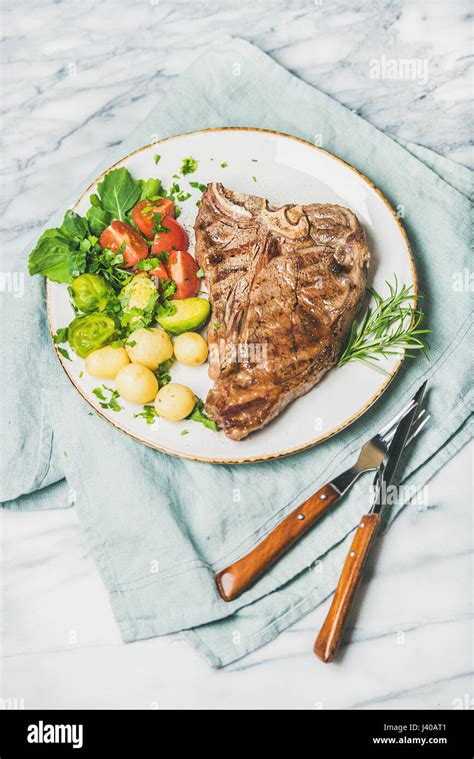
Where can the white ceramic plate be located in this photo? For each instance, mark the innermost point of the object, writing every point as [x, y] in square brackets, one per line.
[284, 170]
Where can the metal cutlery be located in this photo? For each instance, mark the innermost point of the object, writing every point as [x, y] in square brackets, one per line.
[239, 576]
[331, 632]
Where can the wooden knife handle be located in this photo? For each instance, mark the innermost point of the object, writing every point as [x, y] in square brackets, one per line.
[331, 632]
[236, 578]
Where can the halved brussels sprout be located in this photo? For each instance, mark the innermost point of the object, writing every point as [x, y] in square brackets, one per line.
[89, 332]
[138, 299]
[91, 292]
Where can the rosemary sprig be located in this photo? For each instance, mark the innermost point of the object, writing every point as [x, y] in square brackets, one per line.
[389, 328]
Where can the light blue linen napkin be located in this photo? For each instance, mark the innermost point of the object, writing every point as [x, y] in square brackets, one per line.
[159, 526]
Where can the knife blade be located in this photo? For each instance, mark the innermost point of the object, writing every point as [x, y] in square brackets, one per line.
[388, 468]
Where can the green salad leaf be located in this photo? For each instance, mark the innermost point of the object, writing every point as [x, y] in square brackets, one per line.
[60, 254]
[74, 226]
[119, 192]
[52, 257]
[98, 219]
[77, 262]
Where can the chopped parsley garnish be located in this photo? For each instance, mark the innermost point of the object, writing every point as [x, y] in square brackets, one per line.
[199, 415]
[64, 353]
[112, 402]
[60, 336]
[162, 374]
[152, 262]
[149, 414]
[109, 265]
[184, 432]
[224, 165]
[165, 306]
[189, 166]
[254, 179]
[182, 196]
[156, 158]
[200, 273]
[216, 325]
[199, 186]
[158, 225]
[255, 160]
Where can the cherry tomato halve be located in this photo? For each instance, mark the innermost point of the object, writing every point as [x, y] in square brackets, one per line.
[174, 237]
[183, 271]
[119, 233]
[160, 272]
[143, 214]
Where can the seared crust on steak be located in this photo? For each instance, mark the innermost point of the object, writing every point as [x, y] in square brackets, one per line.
[285, 285]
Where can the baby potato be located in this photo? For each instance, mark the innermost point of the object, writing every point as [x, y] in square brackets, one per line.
[149, 347]
[136, 383]
[174, 402]
[106, 362]
[190, 349]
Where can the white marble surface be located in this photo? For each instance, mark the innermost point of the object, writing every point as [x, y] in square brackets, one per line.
[76, 77]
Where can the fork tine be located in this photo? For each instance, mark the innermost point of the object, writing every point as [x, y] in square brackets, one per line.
[396, 418]
[421, 423]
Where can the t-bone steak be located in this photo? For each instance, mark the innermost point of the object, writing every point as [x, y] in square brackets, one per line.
[285, 285]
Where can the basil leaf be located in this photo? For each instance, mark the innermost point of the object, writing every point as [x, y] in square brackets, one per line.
[119, 192]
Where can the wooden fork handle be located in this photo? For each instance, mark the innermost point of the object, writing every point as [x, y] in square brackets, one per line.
[331, 632]
[239, 576]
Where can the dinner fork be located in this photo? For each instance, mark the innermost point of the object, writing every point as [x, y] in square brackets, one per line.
[240, 575]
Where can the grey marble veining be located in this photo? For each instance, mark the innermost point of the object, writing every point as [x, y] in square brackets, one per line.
[76, 77]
